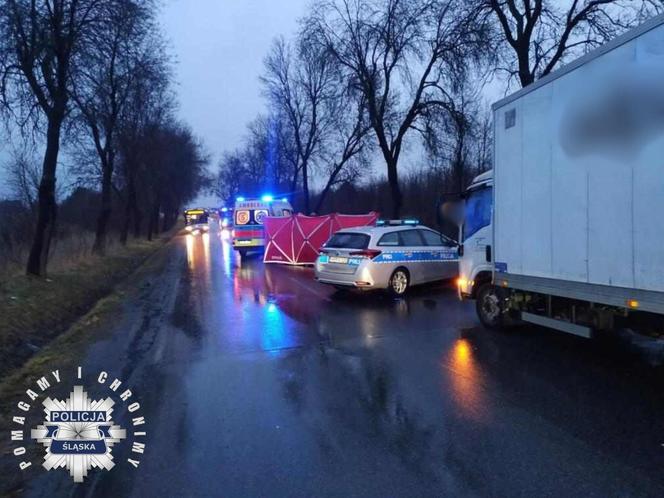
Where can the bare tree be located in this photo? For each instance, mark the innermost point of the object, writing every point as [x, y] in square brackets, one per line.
[298, 82]
[451, 134]
[39, 41]
[404, 55]
[539, 35]
[149, 106]
[113, 63]
[174, 173]
[23, 174]
[482, 147]
[266, 160]
[347, 145]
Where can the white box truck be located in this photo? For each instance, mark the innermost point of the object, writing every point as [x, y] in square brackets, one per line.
[567, 231]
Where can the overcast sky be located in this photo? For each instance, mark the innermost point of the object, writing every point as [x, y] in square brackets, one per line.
[220, 46]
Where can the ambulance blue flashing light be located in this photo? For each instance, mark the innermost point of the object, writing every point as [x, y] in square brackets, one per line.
[239, 199]
[267, 198]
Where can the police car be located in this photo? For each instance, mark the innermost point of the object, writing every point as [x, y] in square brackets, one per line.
[393, 255]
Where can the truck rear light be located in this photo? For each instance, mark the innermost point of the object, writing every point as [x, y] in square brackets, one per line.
[367, 253]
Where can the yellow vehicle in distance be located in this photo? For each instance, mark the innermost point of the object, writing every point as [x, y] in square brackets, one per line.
[196, 221]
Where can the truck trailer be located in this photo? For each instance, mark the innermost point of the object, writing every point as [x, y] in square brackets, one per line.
[567, 230]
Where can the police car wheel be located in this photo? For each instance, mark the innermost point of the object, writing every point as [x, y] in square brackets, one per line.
[399, 282]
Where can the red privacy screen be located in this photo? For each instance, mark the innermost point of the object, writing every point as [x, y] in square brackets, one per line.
[295, 240]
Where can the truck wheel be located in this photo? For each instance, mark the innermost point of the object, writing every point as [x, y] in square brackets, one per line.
[489, 306]
[399, 282]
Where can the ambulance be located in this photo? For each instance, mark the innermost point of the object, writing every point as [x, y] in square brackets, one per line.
[248, 216]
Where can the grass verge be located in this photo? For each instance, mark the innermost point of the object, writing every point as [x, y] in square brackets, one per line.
[65, 350]
[35, 311]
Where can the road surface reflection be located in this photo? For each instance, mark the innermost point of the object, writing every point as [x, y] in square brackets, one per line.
[465, 379]
[258, 381]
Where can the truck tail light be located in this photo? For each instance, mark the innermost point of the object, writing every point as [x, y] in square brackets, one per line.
[367, 253]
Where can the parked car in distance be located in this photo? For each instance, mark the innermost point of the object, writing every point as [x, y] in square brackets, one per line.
[393, 255]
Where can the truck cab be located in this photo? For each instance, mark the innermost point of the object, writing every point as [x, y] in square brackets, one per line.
[475, 234]
[566, 230]
[248, 217]
[474, 216]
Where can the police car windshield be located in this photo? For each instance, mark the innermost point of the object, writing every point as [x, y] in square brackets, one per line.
[348, 240]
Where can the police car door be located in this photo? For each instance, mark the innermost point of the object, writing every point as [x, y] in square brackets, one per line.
[442, 256]
[411, 254]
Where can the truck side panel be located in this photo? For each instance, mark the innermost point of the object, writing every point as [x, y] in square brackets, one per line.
[579, 172]
[536, 223]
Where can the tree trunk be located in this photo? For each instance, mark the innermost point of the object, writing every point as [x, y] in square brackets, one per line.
[153, 221]
[169, 220]
[328, 186]
[523, 58]
[458, 166]
[47, 208]
[132, 208]
[305, 188]
[293, 187]
[322, 196]
[99, 246]
[393, 180]
[138, 221]
[124, 231]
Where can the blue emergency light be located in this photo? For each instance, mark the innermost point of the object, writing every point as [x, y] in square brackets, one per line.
[239, 199]
[267, 198]
[382, 223]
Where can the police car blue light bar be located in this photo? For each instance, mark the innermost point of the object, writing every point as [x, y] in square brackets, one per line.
[409, 221]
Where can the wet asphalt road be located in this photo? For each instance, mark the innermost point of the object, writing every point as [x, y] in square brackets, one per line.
[257, 381]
